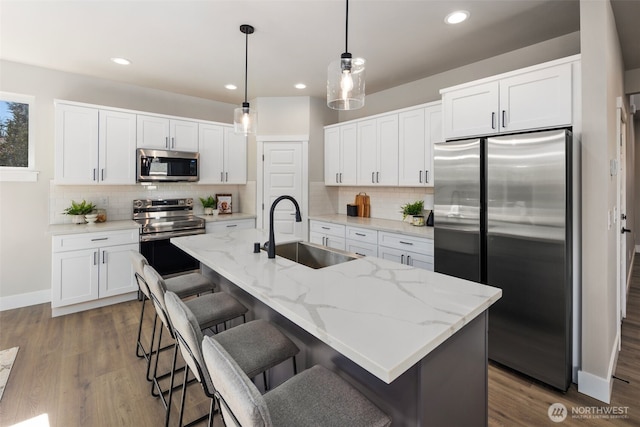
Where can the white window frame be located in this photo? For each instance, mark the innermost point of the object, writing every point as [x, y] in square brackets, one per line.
[29, 173]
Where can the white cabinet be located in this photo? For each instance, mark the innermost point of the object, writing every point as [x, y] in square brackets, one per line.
[419, 130]
[340, 150]
[92, 268]
[414, 251]
[162, 133]
[362, 241]
[235, 224]
[94, 146]
[327, 234]
[377, 151]
[223, 155]
[534, 99]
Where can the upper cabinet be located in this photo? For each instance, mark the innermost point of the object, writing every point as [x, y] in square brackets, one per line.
[167, 134]
[223, 155]
[340, 143]
[536, 98]
[94, 146]
[419, 129]
[377, 151]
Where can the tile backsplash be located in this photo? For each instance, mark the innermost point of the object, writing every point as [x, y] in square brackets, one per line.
[385, 201]
[117, 200]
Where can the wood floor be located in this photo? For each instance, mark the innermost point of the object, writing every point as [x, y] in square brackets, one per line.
[81, 370]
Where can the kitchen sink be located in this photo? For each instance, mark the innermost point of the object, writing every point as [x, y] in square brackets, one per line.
[312, 255]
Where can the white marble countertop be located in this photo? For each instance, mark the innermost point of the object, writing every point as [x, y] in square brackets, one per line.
[377, 224]
[227, 217]
[58, 229]
[382, 315]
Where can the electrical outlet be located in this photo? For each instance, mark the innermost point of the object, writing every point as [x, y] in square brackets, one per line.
[104, 201]
[609, 219]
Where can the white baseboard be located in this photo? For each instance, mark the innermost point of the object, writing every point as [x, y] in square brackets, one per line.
[25, 300]
[598, 387]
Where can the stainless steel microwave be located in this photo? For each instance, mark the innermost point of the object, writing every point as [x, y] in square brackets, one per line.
[166, 166]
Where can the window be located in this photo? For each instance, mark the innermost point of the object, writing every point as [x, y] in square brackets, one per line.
[17, 154]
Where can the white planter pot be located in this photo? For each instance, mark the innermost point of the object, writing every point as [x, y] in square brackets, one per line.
[208, 211]
[77, 219]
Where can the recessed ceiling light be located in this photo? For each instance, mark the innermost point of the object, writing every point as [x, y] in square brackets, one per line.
[300, 86]
[231, 87]
[121, 61]
[456, 17]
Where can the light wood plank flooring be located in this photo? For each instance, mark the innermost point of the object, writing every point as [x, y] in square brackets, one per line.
[81, 370]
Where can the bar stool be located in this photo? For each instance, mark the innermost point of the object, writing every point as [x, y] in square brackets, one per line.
[185, 285]
[315, 397]
[209, 310]
[258, 344]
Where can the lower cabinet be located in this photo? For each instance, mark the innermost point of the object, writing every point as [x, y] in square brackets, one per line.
[235, 224]
[362, 241]
[414, 251]
[327, 234]
[92, 269]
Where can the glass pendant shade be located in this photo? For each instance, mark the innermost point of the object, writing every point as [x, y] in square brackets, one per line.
[345, 83]
[245, 120]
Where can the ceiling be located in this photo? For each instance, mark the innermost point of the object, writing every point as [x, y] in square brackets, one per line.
[196, 47]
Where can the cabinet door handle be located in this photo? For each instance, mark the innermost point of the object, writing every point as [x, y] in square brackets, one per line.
[406, 243]
[504, 118]
[232, 225]
[326, 228]
[101, 174]
[409, 260]
[372, 177]
[326, 240]
[99, 239]
[420, 178]
[378, 177]
[173, 142]
[426, 177]
[358, 253]
[360, 234]
[166, 142]
[104, 256]
[340, 177]
[226, 177]
[402, 259]
[94, 257]
[493, 120]
[221, 176]
[337, 179]
[94, 174]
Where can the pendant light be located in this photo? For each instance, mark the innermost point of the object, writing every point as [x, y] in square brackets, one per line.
[245, 119]
[345, 78]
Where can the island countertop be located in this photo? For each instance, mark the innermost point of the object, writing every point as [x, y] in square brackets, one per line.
[382, 315]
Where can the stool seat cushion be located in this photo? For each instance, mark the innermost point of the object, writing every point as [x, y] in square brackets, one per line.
[257, 346]
[319, 397]
[189, 284]
[213, 309]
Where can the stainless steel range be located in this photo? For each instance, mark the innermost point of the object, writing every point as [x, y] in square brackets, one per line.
[162, 219]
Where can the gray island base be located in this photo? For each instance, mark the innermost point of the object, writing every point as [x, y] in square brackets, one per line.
[414, 342]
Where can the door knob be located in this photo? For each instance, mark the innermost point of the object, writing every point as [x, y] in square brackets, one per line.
[625, 230]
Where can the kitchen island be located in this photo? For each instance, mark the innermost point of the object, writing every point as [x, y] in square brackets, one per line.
[413, 341]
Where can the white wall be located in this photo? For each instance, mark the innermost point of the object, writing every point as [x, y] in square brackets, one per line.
[602, 82]
[25, 246]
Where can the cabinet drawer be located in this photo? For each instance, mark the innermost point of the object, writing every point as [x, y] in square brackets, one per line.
[328, 228]
[362, 235]
[71, 242]
[362, 248]
[407, 243]
[230, 225]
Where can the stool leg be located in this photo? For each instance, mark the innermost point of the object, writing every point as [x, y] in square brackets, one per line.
[138, 343]
[173, 374]
[184, 392]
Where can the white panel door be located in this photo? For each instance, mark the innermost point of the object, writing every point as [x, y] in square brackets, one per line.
[76, 148]
[211, 147]
[117, 143]
[434, 134]
[387, 132]
[152, 132]
[471, 111]
[116, 270]
[184, 135]
[282, 176]
[75, 277]
[348, 154]
[235, 157]
[367, 150]
[411, 148]
[331, 156]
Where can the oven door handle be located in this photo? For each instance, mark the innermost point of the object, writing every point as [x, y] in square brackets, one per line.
[166, 236]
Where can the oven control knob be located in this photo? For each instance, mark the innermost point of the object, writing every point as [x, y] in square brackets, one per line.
[189, 202]
[137, 203]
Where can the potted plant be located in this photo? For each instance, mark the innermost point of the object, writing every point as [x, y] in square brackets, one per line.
[79, 210]
[209, 204]
[414, 209]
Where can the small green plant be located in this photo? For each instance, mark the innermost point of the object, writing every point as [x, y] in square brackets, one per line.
[209, 202]
[414, 208]
[82, 208]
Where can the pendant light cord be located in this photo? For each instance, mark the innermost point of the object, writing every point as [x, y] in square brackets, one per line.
[246, 63]
[346, 30]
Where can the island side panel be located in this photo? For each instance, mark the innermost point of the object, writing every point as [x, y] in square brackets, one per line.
[449, 384]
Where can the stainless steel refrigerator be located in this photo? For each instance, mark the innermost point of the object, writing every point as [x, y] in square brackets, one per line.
[503, 216]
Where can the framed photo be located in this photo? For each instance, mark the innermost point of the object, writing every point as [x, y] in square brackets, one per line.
[17, 142]
[224, 203]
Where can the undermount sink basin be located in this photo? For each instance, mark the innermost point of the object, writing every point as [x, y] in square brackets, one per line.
[312, 255]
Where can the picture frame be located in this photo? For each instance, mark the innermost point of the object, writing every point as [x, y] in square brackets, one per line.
[224, 203]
